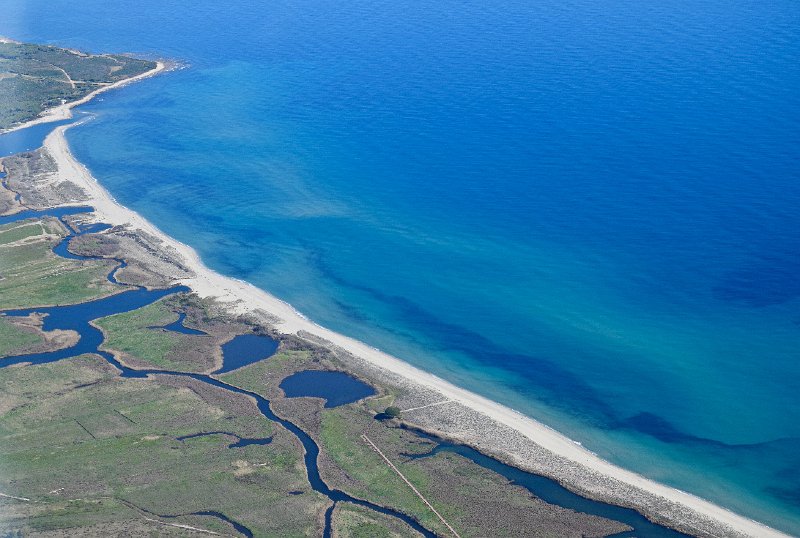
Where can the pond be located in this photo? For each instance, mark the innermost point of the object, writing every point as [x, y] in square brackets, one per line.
[337, 388]
[246, 349]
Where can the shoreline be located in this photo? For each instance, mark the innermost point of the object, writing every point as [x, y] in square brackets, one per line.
[64, 111]
[528, 444]
[582, 470]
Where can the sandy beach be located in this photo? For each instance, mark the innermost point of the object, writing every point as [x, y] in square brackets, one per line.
[677, 508]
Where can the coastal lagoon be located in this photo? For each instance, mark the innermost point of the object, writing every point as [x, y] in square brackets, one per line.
[587, 212]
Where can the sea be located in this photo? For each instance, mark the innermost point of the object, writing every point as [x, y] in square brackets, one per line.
[588, 210]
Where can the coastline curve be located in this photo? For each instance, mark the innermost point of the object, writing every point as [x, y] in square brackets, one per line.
[575, 467]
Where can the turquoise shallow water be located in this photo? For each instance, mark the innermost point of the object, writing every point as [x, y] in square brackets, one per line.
[586, 211]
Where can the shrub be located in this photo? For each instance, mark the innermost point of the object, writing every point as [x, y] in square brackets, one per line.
[392, 412]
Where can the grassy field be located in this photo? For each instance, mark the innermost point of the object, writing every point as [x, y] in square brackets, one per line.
[36, 77]
[96, 454]
[144, 344]
[129, 333]
[13, 233]
[32, 275]
[275, 368]
[368, 475]
[80, 442]
[351, 521]
[13, 338]
[356, 468]
[477, 502]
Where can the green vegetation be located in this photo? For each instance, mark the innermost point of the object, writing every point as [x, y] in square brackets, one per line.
[370, 477]
[139, 336]
[130, 333]
[78, 440]
[32, 275]
[475, 501]
[36, 77]
[338, 432]
[277, 366]
[351, 521]
[18, 233]
[392, 412]
[105, 517]
[13, 338]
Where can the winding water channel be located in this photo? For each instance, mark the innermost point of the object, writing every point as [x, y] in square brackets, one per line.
[78, 318]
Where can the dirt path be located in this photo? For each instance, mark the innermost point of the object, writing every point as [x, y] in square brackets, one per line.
[16, 498]
[426, 406]
[415, 490]
[69, 79]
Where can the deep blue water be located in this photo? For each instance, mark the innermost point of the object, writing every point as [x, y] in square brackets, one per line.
[246, 349]
[585, 210]
[336, 388]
